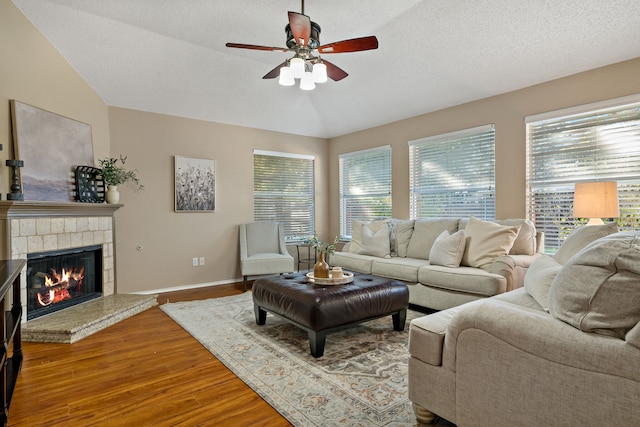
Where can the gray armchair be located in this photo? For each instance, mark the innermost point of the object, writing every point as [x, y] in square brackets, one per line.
[263, 251]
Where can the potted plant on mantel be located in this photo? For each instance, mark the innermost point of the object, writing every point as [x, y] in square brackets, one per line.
[114, 175]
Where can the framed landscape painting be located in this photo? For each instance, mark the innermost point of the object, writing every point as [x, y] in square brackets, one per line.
[195, 185]
[51, 147]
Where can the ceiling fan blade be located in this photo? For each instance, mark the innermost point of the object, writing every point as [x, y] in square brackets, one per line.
[300, 27]
[335, 73]
[256, 47]
[351, 45]
[275, 72]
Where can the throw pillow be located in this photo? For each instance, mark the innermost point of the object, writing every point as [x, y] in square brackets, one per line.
[425, 232]
[375, 243]
[525, 243]
[356, 232]
[538, 278]
[448, 249]
[487, 241]
[598, 289]
[581, 237]
[401, 231]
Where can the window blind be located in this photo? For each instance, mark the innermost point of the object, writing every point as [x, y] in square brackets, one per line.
[598, 145]
[283, 191]
[365, 187]
[453, 175]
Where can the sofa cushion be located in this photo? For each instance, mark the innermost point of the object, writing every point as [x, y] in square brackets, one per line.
[462, 279]
[447, 250]
[580, 237]
[425, 232]
[353, 262]
[356, 233]
[401, 231]
[525, 243]
[405, 269]
[598, 289]
[375, 243]
[538, 278]
[486, 241]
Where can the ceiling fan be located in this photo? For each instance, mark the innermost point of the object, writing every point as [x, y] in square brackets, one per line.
[303, 38]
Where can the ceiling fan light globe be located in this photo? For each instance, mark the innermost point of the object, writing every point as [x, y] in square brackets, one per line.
[306, 82]
[286, 77]
[319, 72]
[297, 67]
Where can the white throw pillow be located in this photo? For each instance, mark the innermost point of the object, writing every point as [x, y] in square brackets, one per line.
[525, 243]
[598, 289]
[539, 277]
[401, 231]
[581, 237]
[356, 233]
[448, 249]
[375, 243]
[425, 232]
[486, 241]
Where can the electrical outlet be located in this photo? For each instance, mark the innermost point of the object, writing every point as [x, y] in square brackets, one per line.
[195, 262]
[201, 260]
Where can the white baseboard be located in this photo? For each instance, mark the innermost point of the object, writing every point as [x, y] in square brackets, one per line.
[187, 287]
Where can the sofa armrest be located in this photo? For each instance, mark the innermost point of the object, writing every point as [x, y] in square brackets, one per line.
[513, 268]
[542, 336]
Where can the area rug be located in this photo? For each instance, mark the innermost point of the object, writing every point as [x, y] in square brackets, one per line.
[360, 381]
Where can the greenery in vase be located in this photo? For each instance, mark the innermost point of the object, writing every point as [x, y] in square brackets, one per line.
[323, 248]
[115, 174]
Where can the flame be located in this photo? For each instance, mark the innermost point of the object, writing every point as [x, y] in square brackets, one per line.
[58, 284]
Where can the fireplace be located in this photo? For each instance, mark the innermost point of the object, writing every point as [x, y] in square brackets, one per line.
[62, 278]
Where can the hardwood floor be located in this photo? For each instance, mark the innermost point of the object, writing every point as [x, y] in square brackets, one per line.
[145, 370]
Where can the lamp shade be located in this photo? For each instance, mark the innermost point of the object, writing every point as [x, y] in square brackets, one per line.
[319, 72]
[286, 77]
[306, 82]
[596, 200]
[297, 67]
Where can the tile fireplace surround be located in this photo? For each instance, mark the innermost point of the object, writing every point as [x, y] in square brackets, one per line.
[31, 227]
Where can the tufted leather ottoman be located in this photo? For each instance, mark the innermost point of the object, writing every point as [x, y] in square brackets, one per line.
[322, 309]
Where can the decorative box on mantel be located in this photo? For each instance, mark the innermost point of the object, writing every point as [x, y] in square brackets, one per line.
[33, 227]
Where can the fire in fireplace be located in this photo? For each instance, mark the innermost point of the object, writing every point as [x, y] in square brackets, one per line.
[62, 278]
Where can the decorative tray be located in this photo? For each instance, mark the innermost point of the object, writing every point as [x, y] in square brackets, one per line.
[346, 278]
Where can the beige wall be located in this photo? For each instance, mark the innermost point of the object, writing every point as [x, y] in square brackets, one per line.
[169, 240]
[506, 111]
[33, 72]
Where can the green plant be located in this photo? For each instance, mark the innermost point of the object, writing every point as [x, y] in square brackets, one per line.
[323, 248]
[114, 174]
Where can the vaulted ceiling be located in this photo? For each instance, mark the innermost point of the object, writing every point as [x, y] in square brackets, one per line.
[169, 56]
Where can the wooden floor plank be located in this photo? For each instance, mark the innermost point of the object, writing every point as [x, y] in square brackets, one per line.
[144, 370]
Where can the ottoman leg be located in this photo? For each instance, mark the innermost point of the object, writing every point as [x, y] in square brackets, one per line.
[399, 319]
[316, 343]
[261, 315]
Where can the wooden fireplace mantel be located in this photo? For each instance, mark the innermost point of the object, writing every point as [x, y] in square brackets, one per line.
[27, 209]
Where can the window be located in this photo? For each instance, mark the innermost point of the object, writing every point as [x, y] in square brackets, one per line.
[453, 175]
[365, 187]
[283, 192]
[597, 142]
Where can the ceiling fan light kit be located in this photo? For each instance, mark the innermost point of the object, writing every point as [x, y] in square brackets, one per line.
[303, 38]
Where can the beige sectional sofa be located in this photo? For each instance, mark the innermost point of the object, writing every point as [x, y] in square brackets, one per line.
[445, 262]
[564, 350]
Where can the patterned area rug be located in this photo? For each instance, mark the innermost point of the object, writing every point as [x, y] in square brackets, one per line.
[360, 381]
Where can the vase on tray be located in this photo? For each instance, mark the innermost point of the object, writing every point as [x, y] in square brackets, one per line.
[321, 268]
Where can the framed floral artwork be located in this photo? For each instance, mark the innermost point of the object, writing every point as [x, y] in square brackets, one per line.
[195, 185]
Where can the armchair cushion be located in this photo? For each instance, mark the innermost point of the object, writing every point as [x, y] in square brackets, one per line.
[598, 289]
[539, 277]
[581, 237]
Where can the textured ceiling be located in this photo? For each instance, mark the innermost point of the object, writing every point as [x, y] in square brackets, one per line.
[169, 56]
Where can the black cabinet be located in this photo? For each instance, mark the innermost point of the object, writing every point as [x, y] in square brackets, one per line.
[12, 341]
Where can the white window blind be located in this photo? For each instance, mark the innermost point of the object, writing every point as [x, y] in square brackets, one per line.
[453, 175]
[600, 144]
[283, 192]
[365, 187]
